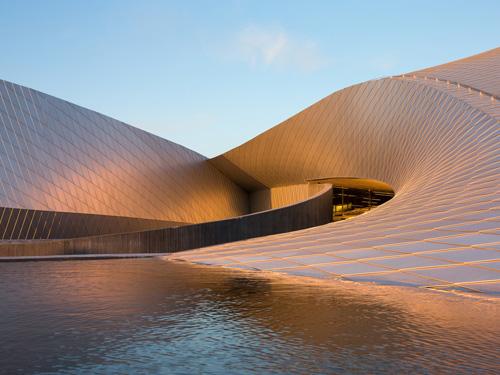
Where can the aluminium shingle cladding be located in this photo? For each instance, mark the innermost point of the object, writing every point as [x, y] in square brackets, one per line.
[433, 138]
[57, 156]
[432, 135]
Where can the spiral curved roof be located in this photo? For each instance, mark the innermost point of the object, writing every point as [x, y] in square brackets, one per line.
[432, 135]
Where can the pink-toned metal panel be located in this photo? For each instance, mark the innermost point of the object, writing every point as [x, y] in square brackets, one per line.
[479, 72]
[57, 156]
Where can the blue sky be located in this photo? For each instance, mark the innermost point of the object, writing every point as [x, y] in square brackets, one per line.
[212, 74]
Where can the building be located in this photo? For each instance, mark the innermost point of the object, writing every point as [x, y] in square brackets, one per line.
[430, 138]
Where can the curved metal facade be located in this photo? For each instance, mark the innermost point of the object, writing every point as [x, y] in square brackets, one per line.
[432, 137]
[58, 159]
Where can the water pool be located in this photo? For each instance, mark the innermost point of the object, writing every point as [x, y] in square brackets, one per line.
[154, 316]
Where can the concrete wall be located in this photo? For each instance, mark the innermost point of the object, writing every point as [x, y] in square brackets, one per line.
[308, 213]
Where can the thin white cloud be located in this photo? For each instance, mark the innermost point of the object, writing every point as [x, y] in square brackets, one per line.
[274, 47]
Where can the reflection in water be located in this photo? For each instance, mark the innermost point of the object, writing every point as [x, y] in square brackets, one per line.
[149, 315]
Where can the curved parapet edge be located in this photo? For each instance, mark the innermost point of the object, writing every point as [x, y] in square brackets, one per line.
[314, 211]
[435, 141]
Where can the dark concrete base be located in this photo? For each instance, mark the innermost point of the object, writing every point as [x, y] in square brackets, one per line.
[80, 257]
[314, 211]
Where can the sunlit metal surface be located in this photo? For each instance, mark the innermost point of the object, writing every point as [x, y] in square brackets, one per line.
[433, 140]
[58, 157]
[430, 136]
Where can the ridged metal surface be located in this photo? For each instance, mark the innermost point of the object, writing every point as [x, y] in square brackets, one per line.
[266, 199]
[57, 156]
[22, 224]
[479, 72]
[432, 135]
[434, 140]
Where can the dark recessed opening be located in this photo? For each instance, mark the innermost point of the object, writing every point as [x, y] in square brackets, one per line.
[355, 196]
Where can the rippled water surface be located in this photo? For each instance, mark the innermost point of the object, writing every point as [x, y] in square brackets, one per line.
[153, 316]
